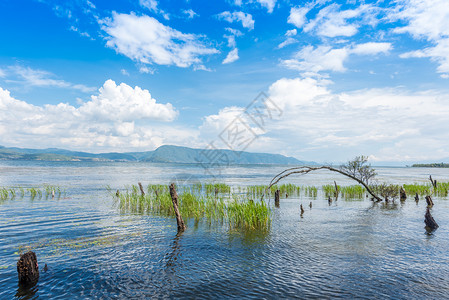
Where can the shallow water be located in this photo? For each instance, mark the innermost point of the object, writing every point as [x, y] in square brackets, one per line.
[349, 249]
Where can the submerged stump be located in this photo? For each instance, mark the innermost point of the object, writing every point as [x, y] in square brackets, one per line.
[276, 198]
[416, 198]
[28, 269]
[302, 210]
[402, 194]
[174, 199]
[431, 225]
[429, 201]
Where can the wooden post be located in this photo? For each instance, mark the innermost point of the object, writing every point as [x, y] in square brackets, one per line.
[174, 199]
[402, 194]
[276, 198]
[216, 193]
[302, 210]
[141, 189]
[429, 201]
[310, 205]
[416, 198]
[429, 221]
[329, 200]
[28, 268]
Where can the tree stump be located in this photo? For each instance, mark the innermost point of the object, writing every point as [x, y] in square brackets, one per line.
[402, 194]
[28, 268]
[174, 199]
[336, 190]
[310, 205]
[277, 198]
[302, 210]
[329, 200]
[416, 198]
[141, 189]
[431, 225]
[429, 201]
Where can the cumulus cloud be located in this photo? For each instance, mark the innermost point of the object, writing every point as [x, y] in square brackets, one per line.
[325, 58]
[427, 20]
[297, 16]
[238, 16]
[382, 123]
[35, 77]
[118, 116]
[144, 39]
[232, 56]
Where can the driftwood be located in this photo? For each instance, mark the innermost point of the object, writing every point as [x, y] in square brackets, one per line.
[141, 189]
[429, 201]
[429, 221]
[402, 194]
[276, 198]
[174, 199]
[28, 269]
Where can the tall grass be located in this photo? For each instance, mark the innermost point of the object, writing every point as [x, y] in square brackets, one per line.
[240, 214]
[12, 193]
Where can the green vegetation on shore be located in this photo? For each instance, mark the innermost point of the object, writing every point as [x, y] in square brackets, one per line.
[431, 165]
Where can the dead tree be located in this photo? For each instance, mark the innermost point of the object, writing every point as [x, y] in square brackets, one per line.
[434, 182]
[431, 225]
[336, 191]
[276, 198]
[28, 268]
[174, 199]
[356, 169]
[141, 189]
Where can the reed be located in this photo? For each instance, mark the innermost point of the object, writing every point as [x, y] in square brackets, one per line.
[239, 214]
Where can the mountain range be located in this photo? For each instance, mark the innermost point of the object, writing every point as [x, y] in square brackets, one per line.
[163, 154]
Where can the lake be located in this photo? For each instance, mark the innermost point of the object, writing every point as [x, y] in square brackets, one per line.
[349, 249]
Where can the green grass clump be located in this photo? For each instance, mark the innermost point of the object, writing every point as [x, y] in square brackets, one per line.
[311, 191]
[222, 188]
[247, 215]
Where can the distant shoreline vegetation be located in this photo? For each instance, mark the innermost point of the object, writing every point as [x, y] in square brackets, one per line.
[432, 165]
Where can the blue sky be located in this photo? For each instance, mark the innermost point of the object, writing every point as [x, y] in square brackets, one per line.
[351, 77]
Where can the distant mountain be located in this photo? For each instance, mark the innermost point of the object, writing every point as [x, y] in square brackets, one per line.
[163, 154]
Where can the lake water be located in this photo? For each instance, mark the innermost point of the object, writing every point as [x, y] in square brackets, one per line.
[351, 249]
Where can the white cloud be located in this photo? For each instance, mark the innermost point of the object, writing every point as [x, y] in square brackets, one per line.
[190, 13]
[2, 73]
[297, 16]
[124, 72]
[291, 32]
[145, 40]
[325, 58]
[34, 77]
[152, 5]
[238, 16]
[427, 20]
[377, 122]
[330, 21]
[232, 56]
[287, 42]
[268, 4]
[118, 116]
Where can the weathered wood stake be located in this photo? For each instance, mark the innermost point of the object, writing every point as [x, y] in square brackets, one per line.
[276, 198]
[434, 182]
[141, 189]
[429, 221]
[416, 198]
[302, 210]
[329, 200]
[310, 205]
[402, 194]
[28, 268]
[174, 199]
[429, 201]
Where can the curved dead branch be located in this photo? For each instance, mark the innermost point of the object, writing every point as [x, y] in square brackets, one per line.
[304, 170]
